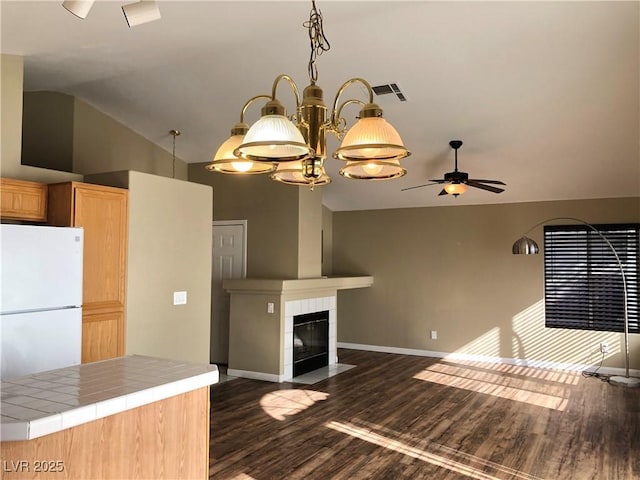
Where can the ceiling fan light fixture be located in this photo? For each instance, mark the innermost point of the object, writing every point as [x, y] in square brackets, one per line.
[80, 8]
[143, 11]
[457, 182]
[455, 188]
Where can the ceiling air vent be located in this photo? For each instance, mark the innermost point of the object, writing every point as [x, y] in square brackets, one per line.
[389, 89]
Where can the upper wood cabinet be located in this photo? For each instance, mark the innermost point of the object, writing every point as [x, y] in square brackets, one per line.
[23, 200]
[103, 213]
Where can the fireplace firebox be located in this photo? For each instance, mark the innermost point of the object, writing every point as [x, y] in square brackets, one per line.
[310, 342]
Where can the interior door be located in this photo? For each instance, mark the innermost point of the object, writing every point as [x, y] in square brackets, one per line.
[229, 261]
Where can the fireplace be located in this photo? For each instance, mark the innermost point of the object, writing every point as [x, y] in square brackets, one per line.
[310, 342]
[261, 321]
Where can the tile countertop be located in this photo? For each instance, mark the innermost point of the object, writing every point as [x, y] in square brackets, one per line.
[43, 403]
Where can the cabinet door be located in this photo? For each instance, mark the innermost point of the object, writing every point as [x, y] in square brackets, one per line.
[103, 214]
[102, 336]
[22, 200]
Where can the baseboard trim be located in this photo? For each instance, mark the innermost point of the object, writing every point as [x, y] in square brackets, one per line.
[522, 362]
[267, 377]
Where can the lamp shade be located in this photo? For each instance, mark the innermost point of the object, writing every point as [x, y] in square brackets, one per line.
[274, 138]
[80, 8]
[454, 188]
[292, 173]
[371, 138]
[373, 170]
[525, 246]
[224, 161]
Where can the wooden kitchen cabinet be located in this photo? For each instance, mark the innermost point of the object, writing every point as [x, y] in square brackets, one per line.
[102, 335]
[23, 200]
[103, 213]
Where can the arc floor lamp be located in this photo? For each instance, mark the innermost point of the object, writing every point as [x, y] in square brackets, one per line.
[527, 246]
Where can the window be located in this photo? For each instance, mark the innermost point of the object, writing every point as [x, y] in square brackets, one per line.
[582, 281]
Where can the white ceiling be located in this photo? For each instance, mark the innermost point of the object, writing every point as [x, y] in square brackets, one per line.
[545, 95]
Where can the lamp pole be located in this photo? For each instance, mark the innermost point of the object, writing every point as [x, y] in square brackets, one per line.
[524, 246]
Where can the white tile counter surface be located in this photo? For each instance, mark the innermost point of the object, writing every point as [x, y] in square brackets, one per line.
[43, 403]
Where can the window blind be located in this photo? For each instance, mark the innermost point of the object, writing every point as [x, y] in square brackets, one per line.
[583, 285]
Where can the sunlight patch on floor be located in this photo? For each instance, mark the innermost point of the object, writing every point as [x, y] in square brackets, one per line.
[547, 375]
[490, 375]
[453, 460]
[285, 403]
[554, 397]
[243, 476]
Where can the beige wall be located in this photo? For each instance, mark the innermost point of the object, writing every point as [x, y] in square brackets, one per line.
[255, 336]
[271, 211]
[451, 269]
[309, 232]
[11, 72]
[169, 250]
[102, 144]
[327, 241]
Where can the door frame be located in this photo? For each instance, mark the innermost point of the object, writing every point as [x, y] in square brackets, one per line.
[243, 223]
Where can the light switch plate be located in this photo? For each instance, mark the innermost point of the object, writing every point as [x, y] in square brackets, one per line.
[179, 298]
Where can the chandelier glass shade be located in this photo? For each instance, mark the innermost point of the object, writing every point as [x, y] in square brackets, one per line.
[273, 137]
[372, 138]
[294, 147]
[224, 160]
[303, 172]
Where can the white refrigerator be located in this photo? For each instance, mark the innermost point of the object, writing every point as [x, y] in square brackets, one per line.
[41, 298]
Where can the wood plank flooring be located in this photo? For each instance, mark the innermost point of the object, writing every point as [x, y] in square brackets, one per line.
[399, 416]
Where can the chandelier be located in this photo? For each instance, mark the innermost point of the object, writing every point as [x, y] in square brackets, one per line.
[293, 148]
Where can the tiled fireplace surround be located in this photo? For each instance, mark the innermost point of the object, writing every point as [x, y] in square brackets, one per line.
[300, 307]
[248, 357]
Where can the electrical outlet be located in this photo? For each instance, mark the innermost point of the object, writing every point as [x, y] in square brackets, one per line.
[434, 334]
[604, 347]
[270, 307]
[179, 298]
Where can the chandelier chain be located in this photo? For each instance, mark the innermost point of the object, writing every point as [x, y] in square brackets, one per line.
[317, 39]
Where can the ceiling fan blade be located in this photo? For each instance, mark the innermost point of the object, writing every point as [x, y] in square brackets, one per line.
[438, 181]
[443, 192]
[417, 186]
[473, 183]
[497, 182]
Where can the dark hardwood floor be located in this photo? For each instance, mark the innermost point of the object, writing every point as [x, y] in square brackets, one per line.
[398, 416]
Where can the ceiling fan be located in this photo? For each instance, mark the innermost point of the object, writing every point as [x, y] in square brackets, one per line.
[456, 182]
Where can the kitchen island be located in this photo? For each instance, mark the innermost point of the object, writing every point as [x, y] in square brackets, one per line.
[127, 417]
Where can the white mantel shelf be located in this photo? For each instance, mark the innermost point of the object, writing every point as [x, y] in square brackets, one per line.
[280, 286]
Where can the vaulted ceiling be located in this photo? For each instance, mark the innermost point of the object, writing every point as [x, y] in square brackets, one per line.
[545, 95]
